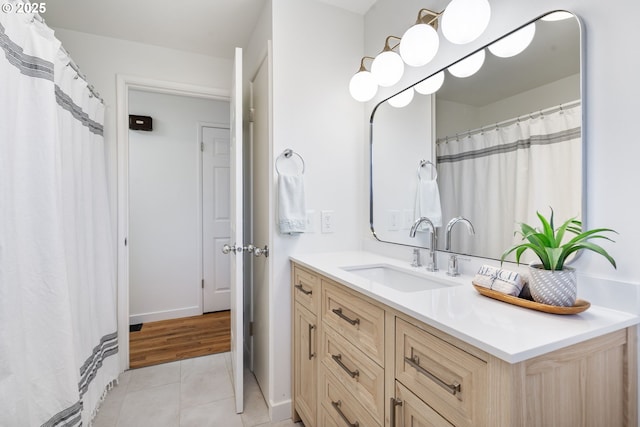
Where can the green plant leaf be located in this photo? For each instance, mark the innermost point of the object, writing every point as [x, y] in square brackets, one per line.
[547, 227]
[555, 256]
[595, 248]
[546, 242]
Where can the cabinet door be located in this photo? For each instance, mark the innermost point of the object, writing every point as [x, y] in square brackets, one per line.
[305, 364]
[413, 412]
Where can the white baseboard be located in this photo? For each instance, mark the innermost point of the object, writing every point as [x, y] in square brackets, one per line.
[164, 315]
[280, 411]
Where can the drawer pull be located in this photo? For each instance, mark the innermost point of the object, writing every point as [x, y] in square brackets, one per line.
[336, 406]
[338, 312]
[394, 402]
[312, 354]
[451, 388]
[338, 359]
[302, 289]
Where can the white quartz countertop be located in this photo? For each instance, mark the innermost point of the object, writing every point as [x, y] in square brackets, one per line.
[506, 331]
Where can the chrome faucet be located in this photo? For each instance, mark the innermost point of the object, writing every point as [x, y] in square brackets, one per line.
[432, 265]
[452, 269]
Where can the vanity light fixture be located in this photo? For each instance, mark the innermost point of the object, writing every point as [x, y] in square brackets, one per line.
[387, 68]
[430, 85]
[463, 21]
[468, 66]
[420, 43]
[514, 43]
[402, 99]
[363, 86]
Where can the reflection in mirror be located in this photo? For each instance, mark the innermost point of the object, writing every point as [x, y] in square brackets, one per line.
[506, 142]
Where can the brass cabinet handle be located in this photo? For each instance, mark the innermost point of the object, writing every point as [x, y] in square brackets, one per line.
[338, 312]
[302, 289]
[311, 353]
[392, 413]
[338, 360]
[336, 406]
[451, 388]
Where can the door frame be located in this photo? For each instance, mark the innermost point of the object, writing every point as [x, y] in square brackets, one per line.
[123, 84]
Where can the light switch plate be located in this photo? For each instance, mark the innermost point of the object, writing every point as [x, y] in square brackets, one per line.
[394, 220]
[327, 221]
[311, 222]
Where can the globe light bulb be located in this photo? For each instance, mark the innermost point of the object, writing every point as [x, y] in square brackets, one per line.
[514, 43]
[430, 85]
[419, 45]
[402, 99]
[363, 86]
[469, 66]
[387, 68]
[464, 20]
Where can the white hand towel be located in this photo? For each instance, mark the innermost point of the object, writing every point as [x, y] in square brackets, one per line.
[428, 203]
[291, 205]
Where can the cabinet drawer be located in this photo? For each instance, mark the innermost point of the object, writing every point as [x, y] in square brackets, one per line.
[412, 412]
[363, 379]
[340, 404]
[359, 321]
[306, 288]
[450, 380]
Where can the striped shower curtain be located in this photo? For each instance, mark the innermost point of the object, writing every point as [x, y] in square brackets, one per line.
[58, 333]
[499, 176]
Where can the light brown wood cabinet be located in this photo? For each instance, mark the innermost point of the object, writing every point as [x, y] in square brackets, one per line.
[375, 366]
[306, 297]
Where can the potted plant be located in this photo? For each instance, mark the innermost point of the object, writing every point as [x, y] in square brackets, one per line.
[550, 281]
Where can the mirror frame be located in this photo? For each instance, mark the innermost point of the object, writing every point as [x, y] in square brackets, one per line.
[583, 130]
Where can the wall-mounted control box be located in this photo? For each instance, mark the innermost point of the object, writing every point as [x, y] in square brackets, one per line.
[140, 123]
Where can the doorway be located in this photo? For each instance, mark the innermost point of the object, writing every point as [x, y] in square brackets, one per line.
[177, 194]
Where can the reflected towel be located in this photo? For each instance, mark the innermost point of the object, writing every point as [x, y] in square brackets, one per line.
[428, 203]
[291, 205]
[497, 279]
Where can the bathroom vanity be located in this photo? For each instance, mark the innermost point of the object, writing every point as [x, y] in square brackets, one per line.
[379, 343]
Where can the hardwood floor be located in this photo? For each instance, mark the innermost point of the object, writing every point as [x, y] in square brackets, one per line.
[177, 339]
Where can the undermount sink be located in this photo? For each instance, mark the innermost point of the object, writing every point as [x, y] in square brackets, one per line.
[396, 278]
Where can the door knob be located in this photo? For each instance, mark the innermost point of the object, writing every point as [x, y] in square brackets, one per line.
[235, 249]
[261, 251]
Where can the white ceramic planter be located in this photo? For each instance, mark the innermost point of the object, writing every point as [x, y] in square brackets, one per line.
[553, 287]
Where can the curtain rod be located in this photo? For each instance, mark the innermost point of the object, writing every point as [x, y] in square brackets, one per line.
[508, 122]
[36, 17]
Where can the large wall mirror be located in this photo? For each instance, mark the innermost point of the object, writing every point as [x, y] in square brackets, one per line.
[493, 147]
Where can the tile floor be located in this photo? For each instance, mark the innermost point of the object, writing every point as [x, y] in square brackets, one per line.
[190, 393]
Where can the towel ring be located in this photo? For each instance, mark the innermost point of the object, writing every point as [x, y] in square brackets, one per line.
[287, 154]
[434, 171]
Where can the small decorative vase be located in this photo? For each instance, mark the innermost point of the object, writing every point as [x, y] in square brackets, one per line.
[553, 287]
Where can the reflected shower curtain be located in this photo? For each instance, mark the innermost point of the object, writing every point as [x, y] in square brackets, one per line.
[500, 176]
[58, 333]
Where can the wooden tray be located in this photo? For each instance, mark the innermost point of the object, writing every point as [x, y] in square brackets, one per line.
[578, 307]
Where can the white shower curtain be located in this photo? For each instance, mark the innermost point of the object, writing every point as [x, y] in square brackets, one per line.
[500, 176]
[58, 332]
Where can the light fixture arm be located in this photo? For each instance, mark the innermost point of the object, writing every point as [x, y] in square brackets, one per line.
[362, 67]
[386, 43]
[429, 17]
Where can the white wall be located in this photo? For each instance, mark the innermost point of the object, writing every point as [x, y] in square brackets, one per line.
[165, 205]
[316, 48]
[102, 58]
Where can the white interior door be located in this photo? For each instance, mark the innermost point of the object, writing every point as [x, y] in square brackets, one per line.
[236, 223]
[216, 273]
